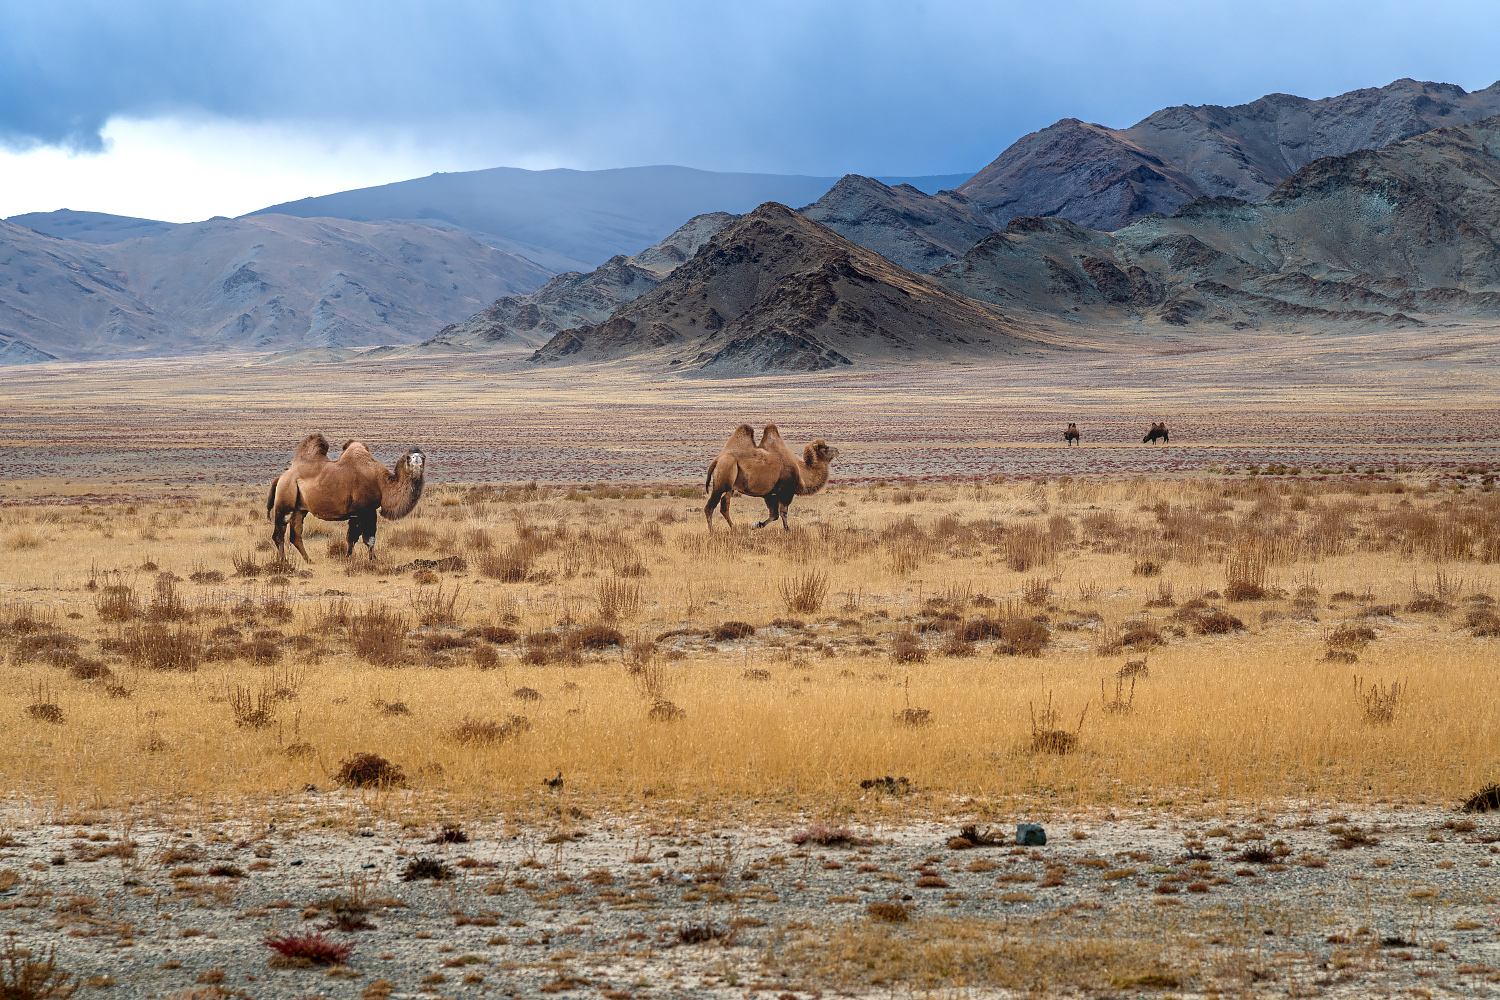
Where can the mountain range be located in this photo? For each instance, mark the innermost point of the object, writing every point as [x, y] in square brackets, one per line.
[1373, 207]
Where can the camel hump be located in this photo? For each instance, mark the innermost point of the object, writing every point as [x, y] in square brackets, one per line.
[313, 446]
[743, 437]
[769, 434]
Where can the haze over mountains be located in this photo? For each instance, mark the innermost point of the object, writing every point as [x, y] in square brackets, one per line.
[1271, 215]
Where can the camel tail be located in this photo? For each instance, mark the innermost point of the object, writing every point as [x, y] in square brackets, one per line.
[708, 480]
[271, 499]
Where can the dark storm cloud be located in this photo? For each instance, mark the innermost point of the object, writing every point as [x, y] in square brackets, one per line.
[798, 87]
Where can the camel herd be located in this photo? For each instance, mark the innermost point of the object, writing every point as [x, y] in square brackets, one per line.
[356, 486]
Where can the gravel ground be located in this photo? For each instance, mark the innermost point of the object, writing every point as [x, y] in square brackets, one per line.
[527, 911]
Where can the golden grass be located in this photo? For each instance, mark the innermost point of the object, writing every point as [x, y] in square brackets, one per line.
[290, 675]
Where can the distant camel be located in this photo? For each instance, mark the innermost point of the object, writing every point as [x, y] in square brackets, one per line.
[1071, 436]
[768, 470]
[1157, 432]
[350, 489]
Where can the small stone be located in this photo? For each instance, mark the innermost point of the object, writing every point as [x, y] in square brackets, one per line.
[1030, 835]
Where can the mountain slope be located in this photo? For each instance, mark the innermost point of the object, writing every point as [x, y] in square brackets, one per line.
[576, 299]
[1106, 178]
[778, 292]
[269, 283]
[584, 216]
[90, 227]
[918, 231]
[1370, 237]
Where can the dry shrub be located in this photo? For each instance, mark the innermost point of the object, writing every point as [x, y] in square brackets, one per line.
[1487, 799]
[804, 593]
[1046, 737]
[116, 603]
[1146, 567]
[293, 950]
[1027, 546]
[433, 607]
[593, 637]
[1026, 638]
[378, 635]
[245, 565]
[956, 646]
[729, 631]
[664, 711]
[27, 977]
[369, 770]
[487, 732]
[756, 674]
[412, 536]
[829, 836]
[1380, 701]
[1246, 575]
[980, 629]
[44, 706]
[1351, 637]
[256, 711]
[1036, 591]
[1217, 623]
[618, 600]
[22, 538]
[914, 717]
[437, 642]
[907, 648]
[514, 564]
[157, 647]
[1340, 656]
[1483, 623]
[485, 658]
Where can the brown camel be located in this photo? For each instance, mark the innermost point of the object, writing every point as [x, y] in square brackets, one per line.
[768, 470]
[350, 489]
[1071, 436]
[1157, 432]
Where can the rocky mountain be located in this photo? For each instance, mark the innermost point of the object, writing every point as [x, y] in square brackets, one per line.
[567, 220]
[1106, 178]
[921, 232]
[90, 227]
[268, 283]
[576, 299]
[1379, 237]
[776, 291]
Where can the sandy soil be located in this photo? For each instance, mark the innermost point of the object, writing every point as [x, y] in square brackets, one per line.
[1415, 910]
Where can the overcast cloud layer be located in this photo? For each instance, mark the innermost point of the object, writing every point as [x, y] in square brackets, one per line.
[813, 88]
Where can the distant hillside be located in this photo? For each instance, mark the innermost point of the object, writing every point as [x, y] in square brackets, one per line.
[572, 219]
[1106, 178]
[575, 299]
[776, 291]
[1370, 238]
[90, 227]
[921, 232]
[268, 283]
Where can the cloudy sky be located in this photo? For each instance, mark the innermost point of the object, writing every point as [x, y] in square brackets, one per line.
[181, 109]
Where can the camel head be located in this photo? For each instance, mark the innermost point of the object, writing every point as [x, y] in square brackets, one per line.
[401, 491]
[816, 458]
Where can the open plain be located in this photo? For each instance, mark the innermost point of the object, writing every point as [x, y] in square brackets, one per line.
[1245, 681]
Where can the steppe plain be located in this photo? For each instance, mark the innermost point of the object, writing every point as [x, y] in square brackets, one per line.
[1267, 805]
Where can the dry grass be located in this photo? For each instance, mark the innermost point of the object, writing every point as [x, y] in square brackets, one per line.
[627, 606]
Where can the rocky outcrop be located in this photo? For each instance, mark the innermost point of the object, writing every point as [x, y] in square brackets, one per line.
[921, 232]
[1107, 178]
[778, 292]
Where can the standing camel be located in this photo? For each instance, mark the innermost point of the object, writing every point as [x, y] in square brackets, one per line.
[1157, 432]
[351, 489]
[1071, 436]
[768, 470]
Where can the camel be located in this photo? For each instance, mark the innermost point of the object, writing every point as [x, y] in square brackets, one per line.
[1071, 436]
[350, 489]
[1157, 431]
[768, 470]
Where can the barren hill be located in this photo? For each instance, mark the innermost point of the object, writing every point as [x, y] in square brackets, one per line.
[776, 291]
[1106, 178]
[1372, 237]
[921, 232]
[267, 283]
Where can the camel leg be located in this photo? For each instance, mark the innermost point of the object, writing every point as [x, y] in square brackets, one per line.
[724, 507]
[297, 516]
[367, 529]
[774, 509]
[278, 534]
[708, 509]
